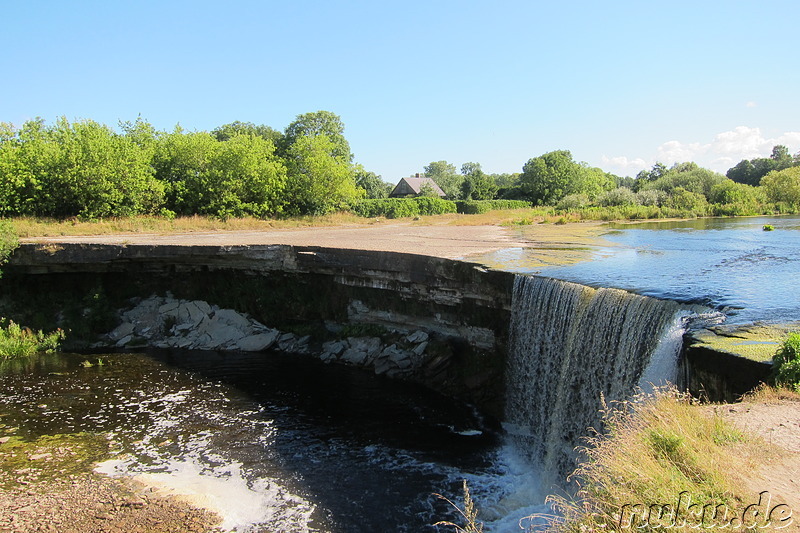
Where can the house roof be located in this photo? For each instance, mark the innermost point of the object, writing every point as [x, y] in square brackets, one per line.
[414, 184]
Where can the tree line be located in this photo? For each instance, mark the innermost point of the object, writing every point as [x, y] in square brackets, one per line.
[556, 179]
[89, 170]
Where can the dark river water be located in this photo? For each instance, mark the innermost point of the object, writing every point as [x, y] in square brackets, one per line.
[274, 442]
[730, 264]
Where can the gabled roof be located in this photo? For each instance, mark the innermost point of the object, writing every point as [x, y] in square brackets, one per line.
[414, 185]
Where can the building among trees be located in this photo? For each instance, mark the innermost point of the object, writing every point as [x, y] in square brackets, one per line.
[417, 185]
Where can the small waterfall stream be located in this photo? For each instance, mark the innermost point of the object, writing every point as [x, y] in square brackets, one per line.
[571, 348]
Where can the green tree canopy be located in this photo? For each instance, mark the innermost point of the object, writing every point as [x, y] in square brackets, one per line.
[227, 131]
[81, 168]
[446, 177]
[477, 185]
[373, 185]
[550, 177]
[783, 185]
[319, 123]
[688, 176]
[320, 182]
[751, 171]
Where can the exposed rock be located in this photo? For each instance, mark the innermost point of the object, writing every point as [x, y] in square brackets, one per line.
[169, 306]
[417, 337]
[420, 348]
[121, 331]
[257, 343]
[229, 316]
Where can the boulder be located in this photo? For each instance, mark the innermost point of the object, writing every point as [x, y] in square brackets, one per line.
[259, 342]
[417, 337]
[229, 316]
[121, 331]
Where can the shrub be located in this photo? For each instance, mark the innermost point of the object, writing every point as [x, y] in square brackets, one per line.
[688, 201]
[572, 202]
[651, 197]
[618, 196]
[8, 240]
[403, 207]
[786, 363]
[16, 341]
[477, 207]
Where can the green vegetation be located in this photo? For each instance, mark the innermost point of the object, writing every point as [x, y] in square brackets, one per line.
[48, 457]
[403, 207]
[477, 207]
[656, 450]
[786, 363]
[8, 240]
[89, 171]
[16, 341]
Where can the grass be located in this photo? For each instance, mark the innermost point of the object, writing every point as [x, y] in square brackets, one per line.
[16, 341]
[27, 227]
[660, 451]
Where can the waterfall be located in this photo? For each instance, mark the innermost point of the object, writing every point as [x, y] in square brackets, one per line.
[571, 347]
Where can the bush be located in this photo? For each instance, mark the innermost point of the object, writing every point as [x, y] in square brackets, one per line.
[572, 202]
[651, 197]
[8, 240]
[477, 207]
[688, 201]
[16, 341]
[618, 196]
[786, 363]
[403, 207]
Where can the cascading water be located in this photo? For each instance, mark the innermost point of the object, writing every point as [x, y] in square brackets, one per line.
[571, 348]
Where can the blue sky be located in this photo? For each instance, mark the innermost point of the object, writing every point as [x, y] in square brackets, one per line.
[620, 84]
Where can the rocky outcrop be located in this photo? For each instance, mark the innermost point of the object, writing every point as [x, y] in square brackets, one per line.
[167, 322]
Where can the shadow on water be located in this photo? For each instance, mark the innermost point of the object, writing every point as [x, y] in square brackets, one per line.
[326, 447]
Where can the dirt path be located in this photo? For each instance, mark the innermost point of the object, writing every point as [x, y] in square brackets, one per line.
[553, 244]
[778, 423]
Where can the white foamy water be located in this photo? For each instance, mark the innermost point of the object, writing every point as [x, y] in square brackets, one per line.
[243, 506]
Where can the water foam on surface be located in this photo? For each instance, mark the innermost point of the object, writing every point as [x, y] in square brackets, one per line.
[242, 505]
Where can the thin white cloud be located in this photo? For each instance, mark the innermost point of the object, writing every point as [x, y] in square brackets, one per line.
[751, 104]
[725, 150]
[622, 165]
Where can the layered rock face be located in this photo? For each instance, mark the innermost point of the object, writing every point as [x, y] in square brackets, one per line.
[166, 322]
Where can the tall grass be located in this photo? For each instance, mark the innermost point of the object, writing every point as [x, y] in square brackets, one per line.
[16, 341]
[659, 456]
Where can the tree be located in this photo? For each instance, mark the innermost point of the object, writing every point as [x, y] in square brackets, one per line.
[658, 170]
[731, 192]
[244, 177]
[751, 172]
[550, 177]
[233, 178]
[319, 123]
[319, 181]
[781, 156]
[77, 169]
[476, 184]
[783, 185]
[373, 185]
[446, 177]
[688, 176]
[227, 131]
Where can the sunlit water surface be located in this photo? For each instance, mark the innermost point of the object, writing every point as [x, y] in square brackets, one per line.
[731, 264]
[276, 442]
